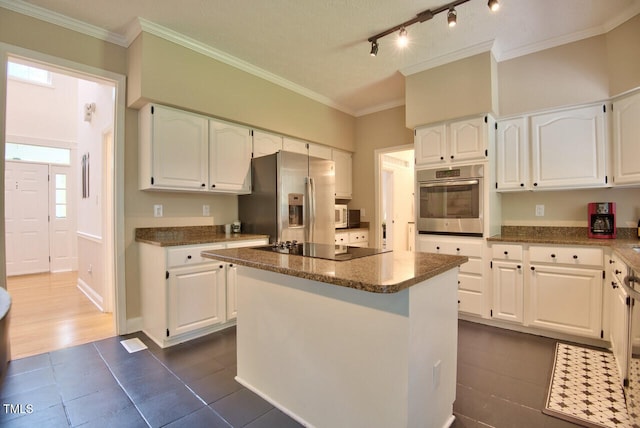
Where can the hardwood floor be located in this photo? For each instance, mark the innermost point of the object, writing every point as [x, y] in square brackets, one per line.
[49, 312]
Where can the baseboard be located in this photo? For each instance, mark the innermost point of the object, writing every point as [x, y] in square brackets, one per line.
[95, 298]
[134, 325]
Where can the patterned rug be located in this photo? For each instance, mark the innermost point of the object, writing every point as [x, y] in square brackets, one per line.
[586, 389]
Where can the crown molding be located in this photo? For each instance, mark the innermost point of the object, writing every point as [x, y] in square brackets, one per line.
[204, 49]
[46, 15]
[380, 107]
[451, 57]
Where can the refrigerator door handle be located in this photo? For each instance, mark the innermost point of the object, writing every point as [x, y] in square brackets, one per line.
[312, 209]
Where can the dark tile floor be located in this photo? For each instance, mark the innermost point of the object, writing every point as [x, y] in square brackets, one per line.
[502, 382]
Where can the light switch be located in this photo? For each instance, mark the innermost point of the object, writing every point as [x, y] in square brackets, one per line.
[157, 210]
[539, 210]
[206, 210]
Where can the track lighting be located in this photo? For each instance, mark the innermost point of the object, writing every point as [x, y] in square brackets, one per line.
[374, 48]
[452, 17]
[403, 38]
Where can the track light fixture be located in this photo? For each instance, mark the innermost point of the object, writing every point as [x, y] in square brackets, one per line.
[374, 48]
[452, 19]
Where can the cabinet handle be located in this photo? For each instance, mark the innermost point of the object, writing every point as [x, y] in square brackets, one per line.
[204, 185]
[553, 256]
[611, 262]
[231, 265]
[614, 285]
[441, 157]
[533, 268]
[575, 256]
[535, 184]
[221, 266]
[519, 267]
[213, 185]
[189, 257]
[521, 184]
[437, 248]
[617, 272]
[451, 156]
[457, 249]
[506, 253]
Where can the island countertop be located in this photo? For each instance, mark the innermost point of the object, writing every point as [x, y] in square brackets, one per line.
[388, 272]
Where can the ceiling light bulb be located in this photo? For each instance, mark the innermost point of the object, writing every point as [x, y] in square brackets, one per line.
[403, 39]
[374, 48]
[452, 17]
[494, 5]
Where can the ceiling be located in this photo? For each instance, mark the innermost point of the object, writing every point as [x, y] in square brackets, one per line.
[319, 47]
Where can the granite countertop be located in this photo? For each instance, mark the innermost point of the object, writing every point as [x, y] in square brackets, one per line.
[622, 245]
[388, 272]
[189, 235]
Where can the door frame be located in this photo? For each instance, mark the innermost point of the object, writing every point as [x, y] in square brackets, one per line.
[378, 168]
[115, 238]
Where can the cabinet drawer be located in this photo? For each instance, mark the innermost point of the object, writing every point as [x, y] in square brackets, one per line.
[469, 249]
[506, 252]
[342, 238]
[190, 255]
[470, 283]
[358, 237]
[474, 265]
[566, 255]
[470, 302]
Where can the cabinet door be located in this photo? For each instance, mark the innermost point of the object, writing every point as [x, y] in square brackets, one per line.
[295, 146]
[196, 298]
[344, 168]
[567, 300]
[568, 148]
[467, 139]
[178, 149]
[512, 155]
[508, 289]
[320, 151]
[431, 145]
[626, 129]
[230, 149]
[619, 326]
[265, 144]
[232, 291]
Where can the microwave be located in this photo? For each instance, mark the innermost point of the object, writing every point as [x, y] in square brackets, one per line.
[341, 216]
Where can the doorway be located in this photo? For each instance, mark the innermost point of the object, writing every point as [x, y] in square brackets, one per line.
[102, 219]
[395, 198]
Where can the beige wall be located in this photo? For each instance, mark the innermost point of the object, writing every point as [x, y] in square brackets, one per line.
[575, 73]
[164, 72]
[458, 89]
[623, 44]
[374, 131]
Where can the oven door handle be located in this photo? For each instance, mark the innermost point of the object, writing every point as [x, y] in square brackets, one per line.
[448, 183]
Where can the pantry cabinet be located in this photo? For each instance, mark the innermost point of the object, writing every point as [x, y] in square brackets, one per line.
[626, 150]
[452, 142]
[344, 169]
[471, 290]
[512, 155]
[568, 148]
[173, 149]
[230, 148]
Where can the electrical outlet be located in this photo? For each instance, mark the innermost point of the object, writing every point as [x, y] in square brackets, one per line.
[206, 210]
[539, 210]
[157, 210]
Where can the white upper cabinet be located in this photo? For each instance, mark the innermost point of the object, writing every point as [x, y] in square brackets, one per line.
[320, 151]
[626, 146]
[568, 148]
[452, 142]
[344, 168]
[512, 155]
[265, 144]
[230, 148]
[172, 149]
[295, 146]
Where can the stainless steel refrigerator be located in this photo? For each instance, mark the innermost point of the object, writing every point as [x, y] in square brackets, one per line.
[292, 198]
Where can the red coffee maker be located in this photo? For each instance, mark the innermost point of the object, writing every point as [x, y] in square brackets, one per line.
[602, 220]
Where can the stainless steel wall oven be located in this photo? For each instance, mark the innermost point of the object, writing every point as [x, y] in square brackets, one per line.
[451, 200]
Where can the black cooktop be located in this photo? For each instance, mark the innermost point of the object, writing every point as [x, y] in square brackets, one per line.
[322, 251]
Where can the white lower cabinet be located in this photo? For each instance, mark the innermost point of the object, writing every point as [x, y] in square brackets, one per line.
[183, 295]
[566, 299]
[508, 283]
[471, 288]
[352, 238]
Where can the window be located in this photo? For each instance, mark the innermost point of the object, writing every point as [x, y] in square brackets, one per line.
[61, 195]
[27, 73]
[28, 152]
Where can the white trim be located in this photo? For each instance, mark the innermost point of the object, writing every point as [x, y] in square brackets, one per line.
[89, 237]
[46, 15]
[36, 141]
[95, 298]
[116, 260]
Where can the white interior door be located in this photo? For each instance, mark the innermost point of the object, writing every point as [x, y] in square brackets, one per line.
[62, 215]
[26, 217]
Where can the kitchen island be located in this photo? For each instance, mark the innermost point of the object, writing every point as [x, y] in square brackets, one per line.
[368, 342]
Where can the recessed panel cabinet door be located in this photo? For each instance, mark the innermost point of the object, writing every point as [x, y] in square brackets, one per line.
[508, 288]
[179, 149]
[568, 300]
[512, 154]
[431, 145]
[468, 139]
[196, 298]
[626, 129]
[230, 148]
